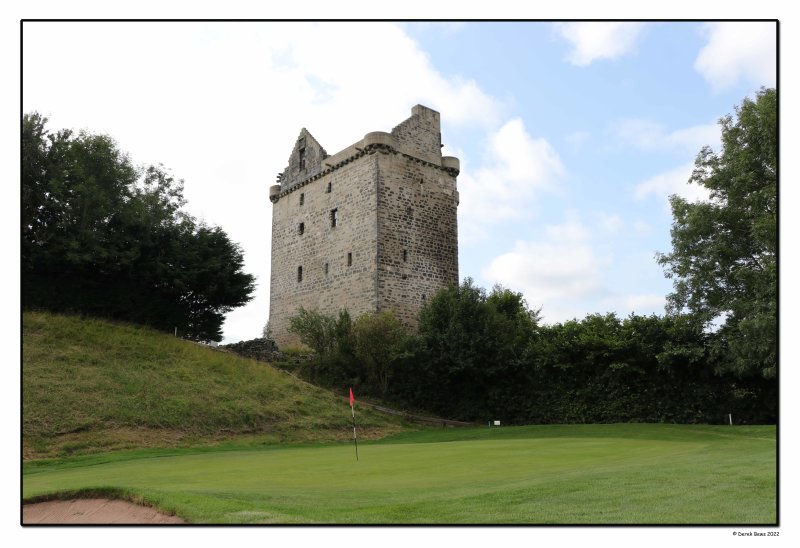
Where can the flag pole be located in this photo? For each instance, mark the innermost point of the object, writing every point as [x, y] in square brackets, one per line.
[353, 410]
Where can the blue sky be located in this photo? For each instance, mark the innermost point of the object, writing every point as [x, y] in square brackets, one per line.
[571, 135]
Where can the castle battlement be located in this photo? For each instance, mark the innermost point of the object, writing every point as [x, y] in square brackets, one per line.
[371, 228]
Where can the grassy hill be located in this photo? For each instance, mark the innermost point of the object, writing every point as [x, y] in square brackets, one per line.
[90, 385]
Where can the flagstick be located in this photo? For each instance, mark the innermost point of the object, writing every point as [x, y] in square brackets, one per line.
[355, 439]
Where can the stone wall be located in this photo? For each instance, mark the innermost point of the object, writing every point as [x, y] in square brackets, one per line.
[421, 134]
[395, 242]
[418, 234]
[348, 249]
[262, 349]
[304, 162]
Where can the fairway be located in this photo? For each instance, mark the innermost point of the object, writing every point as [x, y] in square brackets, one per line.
[538, 474]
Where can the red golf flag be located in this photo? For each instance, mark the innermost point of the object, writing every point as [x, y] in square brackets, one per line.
[352, 399]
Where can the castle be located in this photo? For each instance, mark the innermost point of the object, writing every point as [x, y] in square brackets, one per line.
[369, 229]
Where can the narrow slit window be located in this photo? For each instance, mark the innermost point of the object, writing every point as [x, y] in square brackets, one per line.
[301, 228]
[405, 255]
[302, 159]
[334, 217]
[349, 259]
[302, 198]
[330, 186]
[299, 274]
[326, 269]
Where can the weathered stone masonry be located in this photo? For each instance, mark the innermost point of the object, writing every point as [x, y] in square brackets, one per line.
[368, 229]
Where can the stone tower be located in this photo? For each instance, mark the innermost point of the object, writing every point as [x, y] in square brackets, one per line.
[369, 229]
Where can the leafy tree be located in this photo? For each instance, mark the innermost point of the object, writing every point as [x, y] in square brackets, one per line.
[381, 341]
[43, 173]
[315, 329]
[642, 368]
[343, 333]
[473, 347]
[332, 340]
[724, 250]
[103, 237]
[74, 189]
[212, 278]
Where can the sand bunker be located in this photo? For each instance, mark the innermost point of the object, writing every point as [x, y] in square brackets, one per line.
[96, 511]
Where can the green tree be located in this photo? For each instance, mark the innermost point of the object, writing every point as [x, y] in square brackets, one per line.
[212, 279]
[332, 340]
[381, 342]
[44, 161]
[724, 250]
[641, 368]
[315, 329]
[473, 350]
[103, 237]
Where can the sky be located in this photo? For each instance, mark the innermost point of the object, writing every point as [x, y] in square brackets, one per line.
[571, 135]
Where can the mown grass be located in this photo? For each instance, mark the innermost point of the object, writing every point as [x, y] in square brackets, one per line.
[90, 385]
[572, 474]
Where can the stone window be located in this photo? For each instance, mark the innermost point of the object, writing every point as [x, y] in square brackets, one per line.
[334, 217]
[301, 228]
[349, 259]
[302, 198]
[330, 186]
[423, 297]
[405, 255]
[299, 274]
[326, 269]
[302, 159]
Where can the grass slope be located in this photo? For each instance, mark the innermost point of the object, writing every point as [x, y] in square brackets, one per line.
[90, 385]
[571, 474]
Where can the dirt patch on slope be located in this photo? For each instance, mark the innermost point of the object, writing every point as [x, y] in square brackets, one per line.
[93, 511]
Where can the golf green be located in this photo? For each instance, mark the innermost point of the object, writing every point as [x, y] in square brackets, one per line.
[578, 474]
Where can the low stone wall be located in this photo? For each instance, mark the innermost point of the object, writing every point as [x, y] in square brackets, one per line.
[264, 350]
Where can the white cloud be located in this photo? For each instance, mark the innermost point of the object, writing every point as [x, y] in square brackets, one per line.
[610, 223]
[358, 90]
[517, 166]
[546, 271]
[552, 272]
[599, 40]
[696, 137]
[571, 231]
[641, 227]
[738, 51]
[648, 135]
[674, 181]
[566, 272]
[523, 159]
[578, 138]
